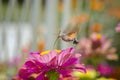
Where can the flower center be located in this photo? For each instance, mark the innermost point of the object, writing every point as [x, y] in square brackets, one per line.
[46, 52]
[98, 36]
[52, 75]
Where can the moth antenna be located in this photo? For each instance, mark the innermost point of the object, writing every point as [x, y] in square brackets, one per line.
[56, 39]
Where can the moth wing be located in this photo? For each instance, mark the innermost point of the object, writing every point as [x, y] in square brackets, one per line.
[71, 36]
[71, 28]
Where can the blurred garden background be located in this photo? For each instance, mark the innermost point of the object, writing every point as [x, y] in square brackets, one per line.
[34, 25]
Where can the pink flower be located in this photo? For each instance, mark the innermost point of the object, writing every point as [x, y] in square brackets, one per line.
[96, 40]
[54, 63]
[118, 28]
[97, 46]
[104, 69]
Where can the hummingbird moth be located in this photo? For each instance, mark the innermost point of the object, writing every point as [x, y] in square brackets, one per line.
[69, 34]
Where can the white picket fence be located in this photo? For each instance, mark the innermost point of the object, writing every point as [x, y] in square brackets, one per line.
[27, 20]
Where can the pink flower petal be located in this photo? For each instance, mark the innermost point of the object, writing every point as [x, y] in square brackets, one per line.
[80, 67]
[70, 62]
[41, 77]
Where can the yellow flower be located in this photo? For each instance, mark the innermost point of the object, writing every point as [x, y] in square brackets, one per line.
[103, 78]
[91, 74]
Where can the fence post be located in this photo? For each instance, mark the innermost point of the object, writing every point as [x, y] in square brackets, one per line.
[65, 19]
[51, 22]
